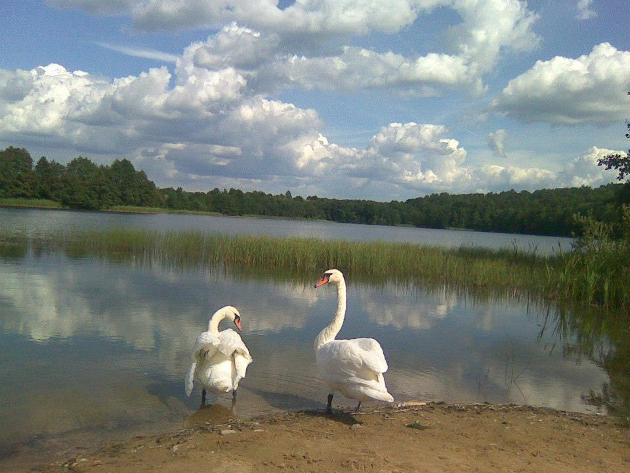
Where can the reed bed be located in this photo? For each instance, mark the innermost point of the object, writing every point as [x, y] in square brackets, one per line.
[584, 276]
[597, 271]
[474, 267]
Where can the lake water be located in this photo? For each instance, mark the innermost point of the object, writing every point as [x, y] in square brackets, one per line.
[95, 350]
[32, 221]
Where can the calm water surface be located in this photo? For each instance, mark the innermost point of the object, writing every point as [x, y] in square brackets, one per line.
[94, 350]
[31, 221]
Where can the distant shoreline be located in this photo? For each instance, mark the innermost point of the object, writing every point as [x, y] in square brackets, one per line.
[158, 211]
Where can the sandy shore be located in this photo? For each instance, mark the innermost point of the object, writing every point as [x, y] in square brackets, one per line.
[432, 437]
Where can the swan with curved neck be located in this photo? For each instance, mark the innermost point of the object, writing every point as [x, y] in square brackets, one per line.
[219, 358]
[352, 367]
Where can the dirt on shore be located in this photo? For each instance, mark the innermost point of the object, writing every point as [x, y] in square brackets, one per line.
[423, 437]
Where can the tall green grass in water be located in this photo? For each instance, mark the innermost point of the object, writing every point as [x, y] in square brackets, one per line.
[597, 271]
[509, 269]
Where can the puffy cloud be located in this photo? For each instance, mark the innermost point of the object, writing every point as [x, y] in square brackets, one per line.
[563, 91]
[233, 46]
[580, 171]
[303, 16]
[212, 121]
[496, 178]
[584, 11]
[415, 155]
[54, 105]
[584, 170]
[359, 69]
[489, 26]
[475, 43]
[496, 141]
[209, 130]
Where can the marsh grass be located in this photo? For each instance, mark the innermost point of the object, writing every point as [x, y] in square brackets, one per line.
[33, 203]
[584, 276]
[508, 269]
[597, 271]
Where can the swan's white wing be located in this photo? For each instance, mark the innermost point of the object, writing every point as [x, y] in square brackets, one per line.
[372, 353]
[360, 357]
[232, 345]
[231, 342]
[190, 376]
[205, 347]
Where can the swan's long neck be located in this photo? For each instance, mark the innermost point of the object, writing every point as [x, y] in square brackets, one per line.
[215, 320]
[330, 332]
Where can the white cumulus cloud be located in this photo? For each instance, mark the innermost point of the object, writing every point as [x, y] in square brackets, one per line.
[588, 90]
[584, 170]
[472, 47]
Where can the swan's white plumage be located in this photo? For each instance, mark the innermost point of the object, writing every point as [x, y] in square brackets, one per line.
[219, 360]
[352, 367]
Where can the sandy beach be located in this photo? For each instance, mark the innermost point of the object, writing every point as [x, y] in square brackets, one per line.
[416, 436]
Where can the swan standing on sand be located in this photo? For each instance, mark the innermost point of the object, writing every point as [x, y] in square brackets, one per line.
[353, 367]
[219, 359]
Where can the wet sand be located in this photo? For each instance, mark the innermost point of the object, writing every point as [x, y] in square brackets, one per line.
[424, 437]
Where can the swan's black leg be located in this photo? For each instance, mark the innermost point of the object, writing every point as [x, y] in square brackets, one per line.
[358, 407]
[329, 405]
[203, 398]
[234, 395]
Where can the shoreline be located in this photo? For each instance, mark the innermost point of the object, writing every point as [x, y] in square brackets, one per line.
[412, 436]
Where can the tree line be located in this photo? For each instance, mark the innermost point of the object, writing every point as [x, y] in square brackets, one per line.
[81, 184]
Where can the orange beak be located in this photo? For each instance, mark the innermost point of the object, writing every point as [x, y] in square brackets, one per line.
[322, 281]
[237, 322]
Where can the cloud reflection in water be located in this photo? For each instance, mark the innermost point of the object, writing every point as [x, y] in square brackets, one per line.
[115, 340]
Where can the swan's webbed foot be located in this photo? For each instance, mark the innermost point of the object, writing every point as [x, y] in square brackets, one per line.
[358, 407]
[329, 405]
[203, 399]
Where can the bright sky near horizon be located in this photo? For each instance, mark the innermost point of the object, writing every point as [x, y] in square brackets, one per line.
[367, 99]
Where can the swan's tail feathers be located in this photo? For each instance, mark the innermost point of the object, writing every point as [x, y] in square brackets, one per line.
[378, 395]
[387, 397]
[188, 384]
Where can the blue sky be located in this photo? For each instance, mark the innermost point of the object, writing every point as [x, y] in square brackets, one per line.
[339, 98]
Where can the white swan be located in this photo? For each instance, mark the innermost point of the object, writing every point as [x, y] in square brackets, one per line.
[219, 359]
[353, 367]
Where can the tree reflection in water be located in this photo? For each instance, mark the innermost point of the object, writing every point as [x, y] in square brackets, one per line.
[604, 338]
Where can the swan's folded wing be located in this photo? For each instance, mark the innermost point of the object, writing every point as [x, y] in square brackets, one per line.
[205, 347]
[231, 343]
[372, 353]
[190, 376]
[362, 357]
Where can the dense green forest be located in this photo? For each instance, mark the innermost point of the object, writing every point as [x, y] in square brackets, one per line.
[81, 184]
